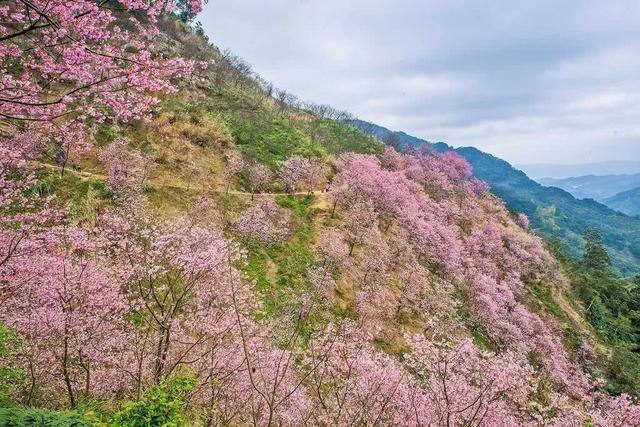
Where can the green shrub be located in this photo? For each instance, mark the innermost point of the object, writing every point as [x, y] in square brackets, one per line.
[162, 406]
[10, 376]
[32, 417]
[612, 307]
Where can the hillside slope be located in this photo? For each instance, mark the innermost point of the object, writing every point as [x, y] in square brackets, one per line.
[242, 258]
[554, 213]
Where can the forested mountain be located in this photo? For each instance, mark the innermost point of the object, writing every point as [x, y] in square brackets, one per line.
[626, 201]
[554, 213]
[182, 244]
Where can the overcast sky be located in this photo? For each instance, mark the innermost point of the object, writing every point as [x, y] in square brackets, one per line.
[552, 81]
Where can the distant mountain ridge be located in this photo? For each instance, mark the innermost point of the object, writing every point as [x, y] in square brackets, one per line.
[555, 214]
[597, 187]
[627, 202]
[560, 171]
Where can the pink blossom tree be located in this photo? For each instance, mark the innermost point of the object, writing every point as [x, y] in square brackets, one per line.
[322, 279]
[315, 175]
[523, 221]
[395, 195]
[392, 160]
[235, 165]
[277, 394]
[68, 61]
[262, 222]
[466, 387]
[69, 309]
[331, 248]
[127, 169]
[440, 174]
[361, 220]
[259, 177]
[332, 252]
[618, 411]
[498, 259]
[195, 311]
[168, 268]
[299, 171]
[24, 218]
[354, 385]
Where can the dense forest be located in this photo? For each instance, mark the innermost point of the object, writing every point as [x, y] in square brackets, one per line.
[182, 243]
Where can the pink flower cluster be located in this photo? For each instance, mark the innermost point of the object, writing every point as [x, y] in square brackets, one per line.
[127, 169]
[262, 221]
[63, 62]
[302, 172]
[422, 218]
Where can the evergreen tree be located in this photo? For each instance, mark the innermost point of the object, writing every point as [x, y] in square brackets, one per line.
[597, 313]
[595, 253]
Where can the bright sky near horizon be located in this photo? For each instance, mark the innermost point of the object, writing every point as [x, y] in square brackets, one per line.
[529, 81]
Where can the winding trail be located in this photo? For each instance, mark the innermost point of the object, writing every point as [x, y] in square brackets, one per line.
[90, 175]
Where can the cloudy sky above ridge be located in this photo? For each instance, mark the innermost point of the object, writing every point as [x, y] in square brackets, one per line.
[541, 81]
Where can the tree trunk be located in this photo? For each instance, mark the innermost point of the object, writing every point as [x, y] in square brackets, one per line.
[65, 371]
[333, 209]
[161, 354]
[64, 160]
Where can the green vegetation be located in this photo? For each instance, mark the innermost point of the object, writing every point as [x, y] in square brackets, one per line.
[10, 376]
[271, 139]
[84, 195]
[595, 253]
[627, 202]
[541, 300]
[279, 269]
[269, 133]
[293, 260]
[163, 406]
[34, 417]
[612, 306]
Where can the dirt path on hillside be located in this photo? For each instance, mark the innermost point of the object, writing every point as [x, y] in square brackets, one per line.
[321, 200]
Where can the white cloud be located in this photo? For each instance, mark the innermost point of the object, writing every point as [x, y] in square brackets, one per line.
[606, 101]
[423, 84]
[529, 81]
